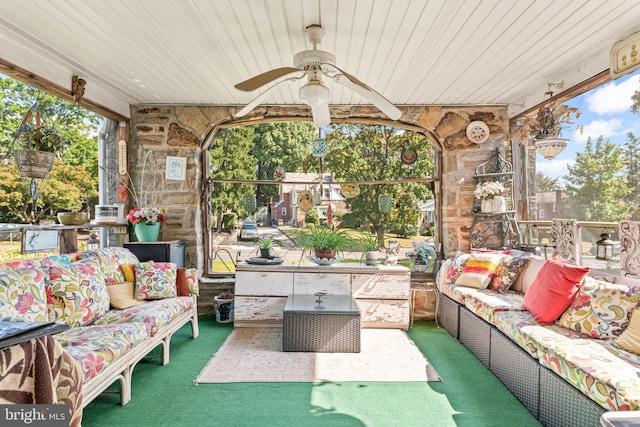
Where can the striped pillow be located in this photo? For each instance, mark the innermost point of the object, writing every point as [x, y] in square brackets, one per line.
[479, 270]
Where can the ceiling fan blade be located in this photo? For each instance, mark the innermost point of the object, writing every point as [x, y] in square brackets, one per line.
[382, 103]
[262, 79]
[262, 96]
[321, 115]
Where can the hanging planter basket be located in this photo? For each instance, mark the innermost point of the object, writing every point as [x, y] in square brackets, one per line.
[549, 148]
[33, 163]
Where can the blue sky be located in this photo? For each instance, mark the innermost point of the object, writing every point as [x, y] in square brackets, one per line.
[605, 111]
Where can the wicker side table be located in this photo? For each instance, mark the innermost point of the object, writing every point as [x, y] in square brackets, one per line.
[321, 323]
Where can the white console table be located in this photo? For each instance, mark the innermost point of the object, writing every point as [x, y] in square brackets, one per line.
[381, 292]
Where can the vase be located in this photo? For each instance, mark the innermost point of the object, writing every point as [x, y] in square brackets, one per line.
[497, 204]
[146, 232]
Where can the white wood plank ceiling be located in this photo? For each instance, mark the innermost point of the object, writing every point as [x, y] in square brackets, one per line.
[413, 52]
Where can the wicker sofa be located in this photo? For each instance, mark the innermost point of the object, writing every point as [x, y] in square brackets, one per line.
[81, 289]
[566, 372]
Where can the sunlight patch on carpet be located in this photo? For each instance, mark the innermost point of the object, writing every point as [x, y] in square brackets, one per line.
[255, 355]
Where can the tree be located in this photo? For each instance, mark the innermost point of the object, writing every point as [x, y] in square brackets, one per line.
[75, 124]
[545, 184]
[358, 152]
[284, 144]
[635, 107]
[67, 188]
[631, 150]
[596, 185]
[230, 159]
[70, 184]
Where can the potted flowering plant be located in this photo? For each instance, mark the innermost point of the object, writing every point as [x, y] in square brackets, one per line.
[146, 222]
[149, 216]
[490, 195]
[422, 256]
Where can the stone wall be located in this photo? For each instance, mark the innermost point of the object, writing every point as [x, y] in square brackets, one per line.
[158, 131]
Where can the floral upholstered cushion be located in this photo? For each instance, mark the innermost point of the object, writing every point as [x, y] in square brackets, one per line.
[479, 270]
[508, 271]
[22, 294]
[156, 281]
[110, 261]
[98, 346]
[51, 260]
[601, 310]
[154, 314]
[76, 294]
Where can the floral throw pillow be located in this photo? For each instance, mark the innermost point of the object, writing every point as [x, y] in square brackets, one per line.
[479, 270]
[77, 294]
[156, 281]
[457, 265]
[600, 309]
[507, 272]
[22, 295]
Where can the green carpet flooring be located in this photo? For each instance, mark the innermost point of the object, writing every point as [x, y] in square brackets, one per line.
[469, 395]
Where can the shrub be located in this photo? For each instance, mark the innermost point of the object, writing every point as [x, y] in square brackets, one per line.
[312, 217]
[228, 221]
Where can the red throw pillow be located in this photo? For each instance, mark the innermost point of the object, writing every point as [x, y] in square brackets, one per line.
[182, 287]
[553, 290]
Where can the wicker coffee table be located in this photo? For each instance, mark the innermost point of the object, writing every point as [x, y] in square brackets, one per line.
[321, 323]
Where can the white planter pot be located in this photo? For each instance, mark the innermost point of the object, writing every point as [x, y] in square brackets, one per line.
[497, 204]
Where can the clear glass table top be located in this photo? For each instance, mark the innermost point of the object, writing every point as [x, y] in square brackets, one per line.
[321, 303]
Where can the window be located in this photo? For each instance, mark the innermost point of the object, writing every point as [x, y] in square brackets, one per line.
[553, 207]
[326, 193]
[540, 213]
[284, 212]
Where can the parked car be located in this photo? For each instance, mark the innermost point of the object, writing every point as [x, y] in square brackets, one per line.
[616, 248]
[249, 231]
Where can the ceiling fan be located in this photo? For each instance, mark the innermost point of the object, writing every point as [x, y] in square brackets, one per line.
[314, 64]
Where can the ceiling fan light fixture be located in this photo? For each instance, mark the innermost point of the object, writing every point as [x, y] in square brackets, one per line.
[314, 93]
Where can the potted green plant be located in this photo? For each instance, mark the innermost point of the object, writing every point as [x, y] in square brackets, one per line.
[325, 242]
[266, 244]
[37, 145]
[422, 256]
[545, 128]
[370, 247]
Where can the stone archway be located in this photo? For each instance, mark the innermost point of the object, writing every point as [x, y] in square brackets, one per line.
[186, 131]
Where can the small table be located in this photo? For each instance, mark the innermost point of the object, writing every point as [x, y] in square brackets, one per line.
[321, 323]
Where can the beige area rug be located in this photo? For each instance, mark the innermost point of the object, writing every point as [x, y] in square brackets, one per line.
[255, 355]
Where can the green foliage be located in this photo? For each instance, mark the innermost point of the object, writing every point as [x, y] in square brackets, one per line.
[631, 150]
[70, 124]
[268, 242]
[357, 152]
[369, 242]
[321, 237]
[284, 144]
[545, 184]
[312, 217]
[229, 154]
[596, 185]
[228, 221]
[68, 188]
